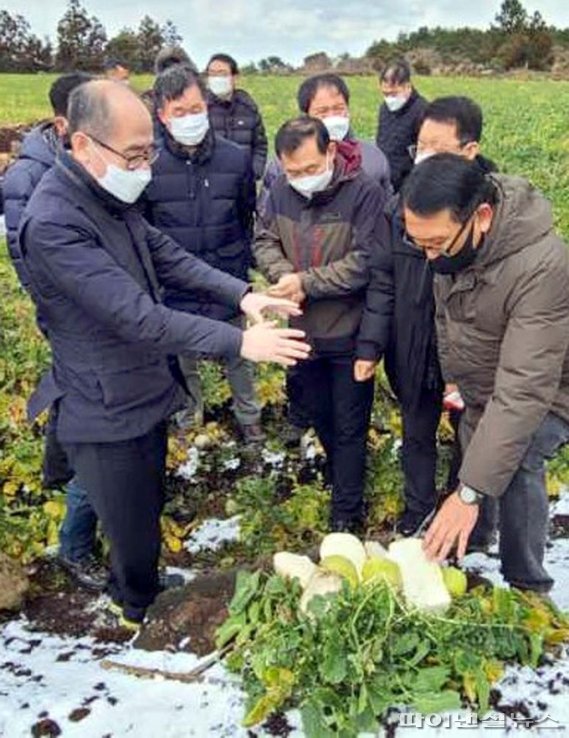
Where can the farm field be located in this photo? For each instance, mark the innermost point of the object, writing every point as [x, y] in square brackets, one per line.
[226, 508]
[525, 121]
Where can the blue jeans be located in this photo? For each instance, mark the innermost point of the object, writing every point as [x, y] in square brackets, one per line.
[78, 530]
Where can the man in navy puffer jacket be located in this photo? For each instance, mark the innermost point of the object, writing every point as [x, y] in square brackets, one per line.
[202, 195]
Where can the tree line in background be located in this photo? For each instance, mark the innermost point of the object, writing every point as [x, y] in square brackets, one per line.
[516, 39]
[82, 43]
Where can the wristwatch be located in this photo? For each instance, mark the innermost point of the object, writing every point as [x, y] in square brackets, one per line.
[469, 496]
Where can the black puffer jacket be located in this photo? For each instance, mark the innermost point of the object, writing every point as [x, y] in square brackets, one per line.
[396, 132]
[398, 322]
[239, 120]
[205, 201]
[37, 156]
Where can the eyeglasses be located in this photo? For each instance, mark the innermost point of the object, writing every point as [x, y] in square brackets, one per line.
[446, 248]
[133, 162]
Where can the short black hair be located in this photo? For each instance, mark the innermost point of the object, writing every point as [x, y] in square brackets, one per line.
[396, 72]
[169, 57]
[225, 59]
[308, 89]
[462, 111]
[174, 81]
[447, 182]
[112, 62]
[292, 134]
[62, 88]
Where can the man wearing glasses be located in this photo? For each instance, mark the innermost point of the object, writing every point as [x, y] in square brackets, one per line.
[97, 271]
[399, 325]
[502, 297]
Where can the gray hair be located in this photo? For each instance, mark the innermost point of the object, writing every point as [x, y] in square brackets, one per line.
[89, 110]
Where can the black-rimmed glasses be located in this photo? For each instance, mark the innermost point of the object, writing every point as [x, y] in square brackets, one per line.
[137, 160]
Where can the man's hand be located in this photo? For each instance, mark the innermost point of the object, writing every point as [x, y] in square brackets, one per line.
[290, 287]
[454, 522]
[364, 370]
[266, 342]
[256, 304]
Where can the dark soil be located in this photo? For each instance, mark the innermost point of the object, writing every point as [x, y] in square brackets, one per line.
[559, 526]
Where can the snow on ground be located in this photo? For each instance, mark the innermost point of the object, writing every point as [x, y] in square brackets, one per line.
[212, 534]
[48, 677]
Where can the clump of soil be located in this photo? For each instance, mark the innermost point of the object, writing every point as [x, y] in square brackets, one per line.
[186, 618]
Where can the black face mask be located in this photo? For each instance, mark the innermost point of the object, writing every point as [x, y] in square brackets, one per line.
[459, 261]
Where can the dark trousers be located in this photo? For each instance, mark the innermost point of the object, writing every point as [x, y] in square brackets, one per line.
[125, 484]
[419, 453]
[524, 510]
[339, 408]
[297, 413]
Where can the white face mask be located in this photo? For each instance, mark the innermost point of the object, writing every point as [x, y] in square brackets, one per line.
[307, 186]
[422, 155]
[395, 102]
[220, 86]
[190, 130]
[124, 184]
[338, 126]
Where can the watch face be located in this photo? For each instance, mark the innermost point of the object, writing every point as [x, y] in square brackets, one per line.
[468, 495]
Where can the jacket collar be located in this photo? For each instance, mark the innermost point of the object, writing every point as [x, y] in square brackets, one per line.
[199, 155]
[81, 177]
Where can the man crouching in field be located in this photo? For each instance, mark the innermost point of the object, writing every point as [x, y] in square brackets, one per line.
[502, 298]
[318, 228]
[97, 270]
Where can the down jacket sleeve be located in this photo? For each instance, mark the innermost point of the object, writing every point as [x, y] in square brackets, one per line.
[70, 261]
[527, 378]
[19, 183]
[377, 318]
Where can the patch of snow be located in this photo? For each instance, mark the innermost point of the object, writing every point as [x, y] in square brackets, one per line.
[273, 458]
[231, 464]
[2, 226]
[189, 469]
[561, 507]
[188, 574]
[213, 533]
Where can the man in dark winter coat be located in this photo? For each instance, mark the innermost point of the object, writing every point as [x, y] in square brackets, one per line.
[233, 112]
[326, 97]
[202, 195]
[313, 243]
[502, 297]
[77, 534]
[399, 119]
[36, 157]
[97, 270]
[399, 325]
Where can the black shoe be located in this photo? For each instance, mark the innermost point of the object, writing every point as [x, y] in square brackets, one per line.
[87, 572]
[409, 523]
[292, 435]
[252, 434]
[355, 526]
